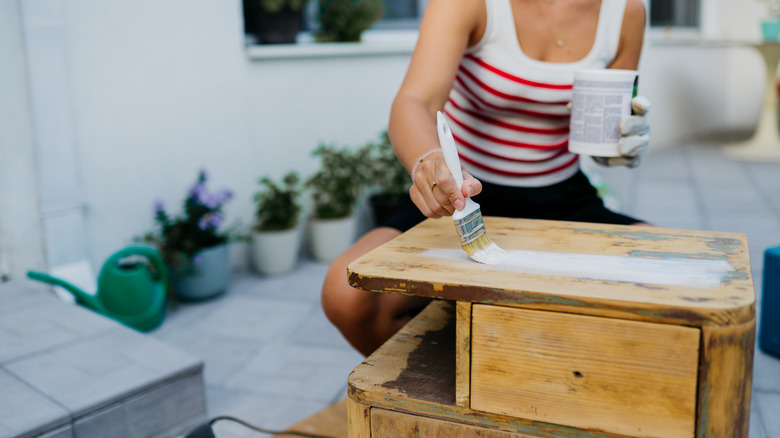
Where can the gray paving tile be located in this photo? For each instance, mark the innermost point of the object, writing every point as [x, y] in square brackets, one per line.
[24, 410]
[304, 283]
[268, 412]
[766, 371]
[769, 407]
[98, 372]
[282, 370]
[21, 294]
[745, 200]
[49, 323]
[316, 330]
[222, 356]
[756, 425]
[253, 319]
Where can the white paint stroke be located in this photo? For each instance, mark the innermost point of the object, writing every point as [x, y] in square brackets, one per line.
[670, 271]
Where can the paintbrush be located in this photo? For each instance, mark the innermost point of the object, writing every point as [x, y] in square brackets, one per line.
[468, 222]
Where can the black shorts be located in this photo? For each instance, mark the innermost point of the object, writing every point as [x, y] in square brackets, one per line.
[574, 199]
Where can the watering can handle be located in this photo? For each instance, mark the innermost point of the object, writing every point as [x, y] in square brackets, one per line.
[154, 256]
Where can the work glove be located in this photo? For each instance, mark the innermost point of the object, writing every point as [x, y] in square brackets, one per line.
[634, 136]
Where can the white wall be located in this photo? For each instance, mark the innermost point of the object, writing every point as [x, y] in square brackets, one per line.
[21, 237]
[163, 88]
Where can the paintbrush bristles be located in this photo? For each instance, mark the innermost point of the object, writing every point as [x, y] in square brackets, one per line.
[475, 241]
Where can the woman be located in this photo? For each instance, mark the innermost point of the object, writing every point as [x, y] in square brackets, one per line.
[501, 71]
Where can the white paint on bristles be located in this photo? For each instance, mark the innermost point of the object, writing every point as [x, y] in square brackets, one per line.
[696, 272]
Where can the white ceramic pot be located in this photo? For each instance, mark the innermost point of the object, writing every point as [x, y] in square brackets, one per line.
[275, 252]
[331, 237]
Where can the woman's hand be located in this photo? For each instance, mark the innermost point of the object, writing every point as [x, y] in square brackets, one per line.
[434, 191]
[634, 136]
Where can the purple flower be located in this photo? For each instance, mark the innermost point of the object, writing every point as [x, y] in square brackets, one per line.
[217, 199]
[215, 220]
[197, 259]
[159, 206]
[203, 222]
[198, 193]
[210, 221]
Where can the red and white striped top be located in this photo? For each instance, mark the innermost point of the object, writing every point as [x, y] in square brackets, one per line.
[508, 112]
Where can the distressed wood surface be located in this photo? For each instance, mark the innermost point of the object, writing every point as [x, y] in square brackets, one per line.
[463, 354]
[420, 262]
[414, 372]
[630, 378]
[388, 424]
[358, 419]
[725, 381]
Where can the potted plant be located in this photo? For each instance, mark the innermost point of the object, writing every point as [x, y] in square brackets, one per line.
[336, 189]
[770, 27]
[278, 21]
[346, 20]
[276, 237]
[192, 245]
[390, 177]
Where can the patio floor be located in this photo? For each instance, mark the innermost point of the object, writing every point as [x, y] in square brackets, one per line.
[272, 358]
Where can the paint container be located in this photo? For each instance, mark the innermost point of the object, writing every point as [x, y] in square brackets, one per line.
[600, 98]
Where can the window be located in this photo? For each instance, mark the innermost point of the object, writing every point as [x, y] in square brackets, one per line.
[401, 14]
[674, 13]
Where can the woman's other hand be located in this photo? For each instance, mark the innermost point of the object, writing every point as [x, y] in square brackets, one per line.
[634, 136]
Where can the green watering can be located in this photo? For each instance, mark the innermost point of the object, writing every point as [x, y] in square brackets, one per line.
[132, 288]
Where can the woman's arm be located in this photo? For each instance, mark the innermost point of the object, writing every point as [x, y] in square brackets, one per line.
[632, 35]
[448, 27]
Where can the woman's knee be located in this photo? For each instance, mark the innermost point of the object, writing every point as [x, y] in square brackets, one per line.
[343, 304]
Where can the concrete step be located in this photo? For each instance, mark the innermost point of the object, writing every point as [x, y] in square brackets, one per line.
[67, 371]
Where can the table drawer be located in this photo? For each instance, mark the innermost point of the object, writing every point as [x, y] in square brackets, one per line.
[626, 377]
[389, 424]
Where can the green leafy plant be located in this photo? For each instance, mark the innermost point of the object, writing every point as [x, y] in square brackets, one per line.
[387, 173]
[278, 5]
[180, 238]
[278, 205]
[340, 182]
[345, 20]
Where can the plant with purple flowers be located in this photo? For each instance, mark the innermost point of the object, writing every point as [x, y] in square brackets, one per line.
[180, 238]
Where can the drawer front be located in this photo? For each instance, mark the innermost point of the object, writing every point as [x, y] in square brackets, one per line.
[388, 424]
[626, 377]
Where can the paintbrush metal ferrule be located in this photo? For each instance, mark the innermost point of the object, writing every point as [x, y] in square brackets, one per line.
[470, 227]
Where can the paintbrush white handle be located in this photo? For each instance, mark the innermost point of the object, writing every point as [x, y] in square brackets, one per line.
[450, 153]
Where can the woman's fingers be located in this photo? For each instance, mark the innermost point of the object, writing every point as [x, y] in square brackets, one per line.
[434, 191]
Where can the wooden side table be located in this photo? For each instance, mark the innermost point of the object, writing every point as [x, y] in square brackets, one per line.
[586, 330]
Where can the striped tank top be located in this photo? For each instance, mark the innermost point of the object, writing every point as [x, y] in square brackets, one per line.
[507, 112]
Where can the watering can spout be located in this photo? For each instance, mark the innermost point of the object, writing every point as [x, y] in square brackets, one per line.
[132, 288]
[81, 296]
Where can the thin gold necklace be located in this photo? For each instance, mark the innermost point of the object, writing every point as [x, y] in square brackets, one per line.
[558, 42]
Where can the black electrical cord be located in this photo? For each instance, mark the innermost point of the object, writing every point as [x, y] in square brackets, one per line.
[205, 430]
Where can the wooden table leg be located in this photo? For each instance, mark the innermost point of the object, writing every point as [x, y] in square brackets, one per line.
[725, 381]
